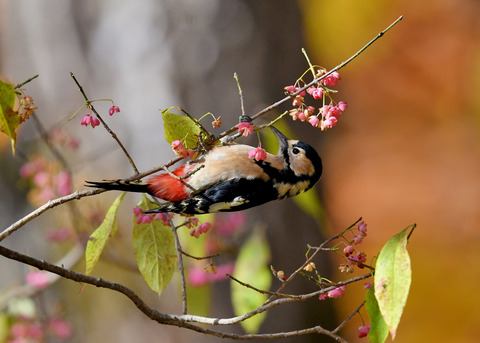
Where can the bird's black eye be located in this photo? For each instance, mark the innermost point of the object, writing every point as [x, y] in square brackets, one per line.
[295, 151]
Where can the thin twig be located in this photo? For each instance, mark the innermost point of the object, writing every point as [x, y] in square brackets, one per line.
[280, 295]
[199, 258]
[178, 247]
[240, 93]
[67, 261]
[89, 103]
[342, 324]
[51, 204]
[314, 81]
[20, 85]
[310, 259]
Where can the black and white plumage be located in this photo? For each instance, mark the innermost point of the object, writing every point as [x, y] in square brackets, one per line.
[226, 179]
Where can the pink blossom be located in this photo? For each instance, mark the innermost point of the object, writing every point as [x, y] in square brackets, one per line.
[195, 233]
[298, 101]
[228, 225]
[89, 120]
[63, 183]
[337, 292]
[41, 179]
[258, 154]
[332, 79]
[329, 122]
[60, 328]
[86, 120]
[37, 278]
[314, 121]
[363, 331]
[59, 235]
[27, 170]
[348, 250]
[146, 219]
[137, 211]
[197, 276]
[113, 110]
[18, 330]
[180, 150]
[293, 89]
[163, 217]
[203, 228]
[35, 331]
[342, 105]
[301, 115]
[46, 194]
[294, 114]
[245, 128]
[362, 227]
[316, 92]
[357, 239]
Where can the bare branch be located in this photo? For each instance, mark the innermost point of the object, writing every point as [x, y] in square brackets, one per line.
[51, 204]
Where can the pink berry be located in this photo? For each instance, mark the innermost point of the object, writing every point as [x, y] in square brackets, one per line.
[363, 331]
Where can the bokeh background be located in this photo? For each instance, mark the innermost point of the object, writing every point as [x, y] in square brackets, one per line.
[406, 151]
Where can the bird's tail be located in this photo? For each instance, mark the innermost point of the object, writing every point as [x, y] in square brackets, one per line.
[120, 185]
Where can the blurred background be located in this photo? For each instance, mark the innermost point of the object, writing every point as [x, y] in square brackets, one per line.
[406, 151]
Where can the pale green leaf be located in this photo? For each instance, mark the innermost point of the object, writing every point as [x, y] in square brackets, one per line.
[98, 239]
[251, 268]
[180, 127]
[378, 329]
[199, 298]
[154, 248]
[4, 327]
[392, 280]
[9, 119]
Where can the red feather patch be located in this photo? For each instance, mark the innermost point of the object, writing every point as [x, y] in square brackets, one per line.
[166, 187]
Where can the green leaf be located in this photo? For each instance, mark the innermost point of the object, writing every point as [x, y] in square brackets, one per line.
[252, 268]
[378, 329]
[392, 280]
[154, 248]
[98, 239]
[199, 298]
[4, 327]
[180, 127]
[9, 119]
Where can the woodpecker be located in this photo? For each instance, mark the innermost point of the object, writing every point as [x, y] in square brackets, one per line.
[225, 179]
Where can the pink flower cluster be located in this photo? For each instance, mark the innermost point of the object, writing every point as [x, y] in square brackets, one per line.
[259, 154]
[245, 128]
[89, 120]
[334, 293]
[328, 115]
[37, 279]
[203, 228]
[198, 276]
[48, 183]
[147, 218]
[180, 149]
[25, 330]
[353, 256]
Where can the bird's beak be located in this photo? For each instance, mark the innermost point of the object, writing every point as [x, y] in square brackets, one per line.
[282, 139]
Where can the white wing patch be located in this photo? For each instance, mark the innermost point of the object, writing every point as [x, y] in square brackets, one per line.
[221, 206]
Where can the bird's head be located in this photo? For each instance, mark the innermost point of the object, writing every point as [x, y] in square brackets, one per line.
[301, 160]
